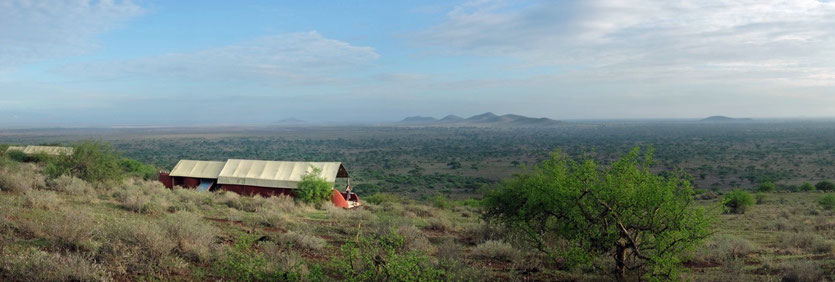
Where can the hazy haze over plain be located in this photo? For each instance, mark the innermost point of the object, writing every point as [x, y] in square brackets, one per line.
[75, 63]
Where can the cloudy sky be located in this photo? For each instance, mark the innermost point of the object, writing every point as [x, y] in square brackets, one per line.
[144, 62]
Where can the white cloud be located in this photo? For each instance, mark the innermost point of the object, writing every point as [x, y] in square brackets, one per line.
[712, 41]
[33, 31]
[305, 57]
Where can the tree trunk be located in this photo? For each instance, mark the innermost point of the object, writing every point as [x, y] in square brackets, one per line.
[620, 262]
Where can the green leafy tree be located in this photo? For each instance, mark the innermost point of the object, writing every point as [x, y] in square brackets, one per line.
[827, 202]
[91, 161]
[314, 189]
[807, 187]
[640, 219]
[825, 186]
[767, 187]
[737, 201]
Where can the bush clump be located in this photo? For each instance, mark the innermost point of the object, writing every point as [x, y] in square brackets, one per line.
[90, 161]
[825, 186]
[314, 189]
[737, 201]
[496, 250]
[767, 187]
[827, 202]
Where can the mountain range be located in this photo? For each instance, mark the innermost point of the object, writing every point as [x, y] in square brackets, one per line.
[486, 119]
[724, 119]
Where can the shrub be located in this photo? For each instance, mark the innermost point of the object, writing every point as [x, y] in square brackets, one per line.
[137, 169]
[724, 248]
[767, 187]
[35, 265]
[135, 247]
[807, 187]
[496, 250]
[244, 263]
[17, 155]
[38, 199]
[70, 185]
[827, 202]
[737, 201]
[20, 180]
[825, 186]
[91, 161]
[805, 241]
[440, 202]
[314, 189]
[415, 240]
[73, 229]
[439, 225]
[194, 237]
[304, 241]
[760, 197]
[801, 271]
[384, 257]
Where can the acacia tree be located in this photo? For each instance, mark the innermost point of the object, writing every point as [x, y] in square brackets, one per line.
[578, 211]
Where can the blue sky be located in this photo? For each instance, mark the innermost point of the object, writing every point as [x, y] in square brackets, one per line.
[81, 63]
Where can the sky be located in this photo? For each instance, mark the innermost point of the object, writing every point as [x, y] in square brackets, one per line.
[144, 62]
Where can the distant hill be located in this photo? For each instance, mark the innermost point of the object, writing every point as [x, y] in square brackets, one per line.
[483, 120]
[451, 118]
[419, 119]
[724, 119]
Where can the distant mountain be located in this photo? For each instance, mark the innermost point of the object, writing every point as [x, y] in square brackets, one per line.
[485, 117]
[724, 119]
[483, 120]
[451, 118]
[419, 119]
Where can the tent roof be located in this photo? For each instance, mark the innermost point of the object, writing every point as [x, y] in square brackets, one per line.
[197, 169]
[276, 174]
[49, 150]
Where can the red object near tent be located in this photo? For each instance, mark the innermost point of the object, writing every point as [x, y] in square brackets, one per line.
[338, 199]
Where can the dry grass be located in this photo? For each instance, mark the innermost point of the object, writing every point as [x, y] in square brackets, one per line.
[415, 240]
[40, 199]
[21, 179]
[31, 264]
[195, 239]
[496, 250]
[302, 240]
[723, 248]
[70, 185]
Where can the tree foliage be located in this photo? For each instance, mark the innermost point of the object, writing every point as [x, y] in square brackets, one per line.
[314, 188]
[825, 186]
[737, 201]
[91, 161]
[767, 187]
[640, 219]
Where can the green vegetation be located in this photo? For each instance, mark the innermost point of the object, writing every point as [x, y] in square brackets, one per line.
[767, 187]
[737, 201]
[825, 186]
[827, 202]
[806, 187]
[313, 189]
[642, 219]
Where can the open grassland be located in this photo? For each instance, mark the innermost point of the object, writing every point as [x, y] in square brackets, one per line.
[66, 229]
